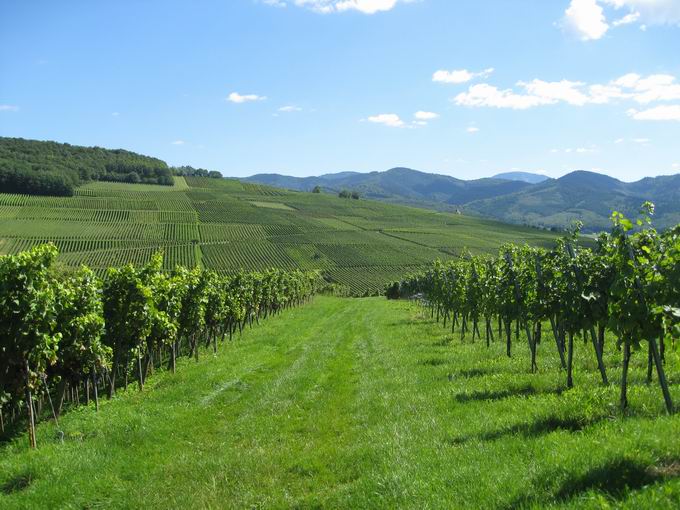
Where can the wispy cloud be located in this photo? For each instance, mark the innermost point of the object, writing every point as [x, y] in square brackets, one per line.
[663, 112]
[8, 108]
[335, 6]
[237, 98]
[387, 119]
[458, 76]
[421, 115]
[290, 109]
[591, 19]
[178, 142]
[530, 94]
[472, 129]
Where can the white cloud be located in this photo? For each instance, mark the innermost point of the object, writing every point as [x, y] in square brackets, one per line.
[619, 140]
[387, 119]
[530, 94]
[643, 141]
[178, 142]
[115, 114]
[564, 90]
[589, 20]
[8, 108]
[290, 109]
[629, 18]
[490, 96]
[472, 129]
[459, 75]
[652, 12]
[424, 116]
[586, 18]
[663, 112]
[578, 150]
[675, 166]
[656, 87]
[334, 6]
[235, 97]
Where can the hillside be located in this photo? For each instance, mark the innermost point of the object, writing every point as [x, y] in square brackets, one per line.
[515, 197]
[228, 225]
[400, 185]
[357, 403]
[50, 168]
[587, 196]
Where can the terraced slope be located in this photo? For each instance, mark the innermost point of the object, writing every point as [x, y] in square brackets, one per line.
[227, 225]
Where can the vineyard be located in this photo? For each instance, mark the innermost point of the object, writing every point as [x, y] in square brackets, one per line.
[226, 225]
[71, 334]
[629, 286]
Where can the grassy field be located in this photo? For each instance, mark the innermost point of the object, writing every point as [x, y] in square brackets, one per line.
[226, 225]
[360, 403]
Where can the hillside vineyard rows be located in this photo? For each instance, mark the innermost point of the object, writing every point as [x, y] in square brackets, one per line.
[226, 225]
[72, 333]
[629, 284]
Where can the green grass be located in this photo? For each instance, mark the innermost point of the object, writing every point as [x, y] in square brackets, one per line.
[360, 244]
[360, 403]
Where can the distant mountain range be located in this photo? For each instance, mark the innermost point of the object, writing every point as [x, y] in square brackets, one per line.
[517, 197]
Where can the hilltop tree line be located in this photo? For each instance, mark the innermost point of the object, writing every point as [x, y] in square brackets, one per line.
[628, 285]
[50, 168]
[190, 171]
[69, 335]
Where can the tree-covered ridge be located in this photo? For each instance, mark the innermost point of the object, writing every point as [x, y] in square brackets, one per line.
[50, 168]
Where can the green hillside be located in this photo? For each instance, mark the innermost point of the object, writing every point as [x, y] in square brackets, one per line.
[358, 403]
[513, 197]
[227, 225]
[56, 169]
[586, 196]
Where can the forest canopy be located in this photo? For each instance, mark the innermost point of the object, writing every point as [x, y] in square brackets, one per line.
[50, 168]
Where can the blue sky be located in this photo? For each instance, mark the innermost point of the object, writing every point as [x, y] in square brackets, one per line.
[467, 88]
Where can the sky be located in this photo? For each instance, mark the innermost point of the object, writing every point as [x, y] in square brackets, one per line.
[467, 88]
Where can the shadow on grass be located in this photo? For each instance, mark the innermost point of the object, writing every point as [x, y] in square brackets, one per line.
[434, 362]
[494, 395]
[614, 479]
[531, 430]
[17, 483]
[474, 372]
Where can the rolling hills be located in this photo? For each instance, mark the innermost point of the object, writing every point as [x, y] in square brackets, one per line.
[586, 196]
[226, 225]
[515, 197]
[402, 186]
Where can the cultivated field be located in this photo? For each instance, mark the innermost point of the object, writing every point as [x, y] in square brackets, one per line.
[226, 225]
[359, 403]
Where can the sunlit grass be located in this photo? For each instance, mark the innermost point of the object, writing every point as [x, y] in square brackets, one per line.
[360, 403]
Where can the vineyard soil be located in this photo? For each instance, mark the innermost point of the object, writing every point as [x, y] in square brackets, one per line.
[360, 403]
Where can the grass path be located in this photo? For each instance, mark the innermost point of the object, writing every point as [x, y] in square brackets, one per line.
[358, 403]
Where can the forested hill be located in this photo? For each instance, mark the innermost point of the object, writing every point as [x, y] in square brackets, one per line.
[402, 186]
[586, 196]
[50, 168]
[516, 197]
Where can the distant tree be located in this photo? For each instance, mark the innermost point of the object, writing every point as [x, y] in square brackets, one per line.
[317, 189]
[214, 174]
[133, 178]
[355, 195]
[345, 194]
